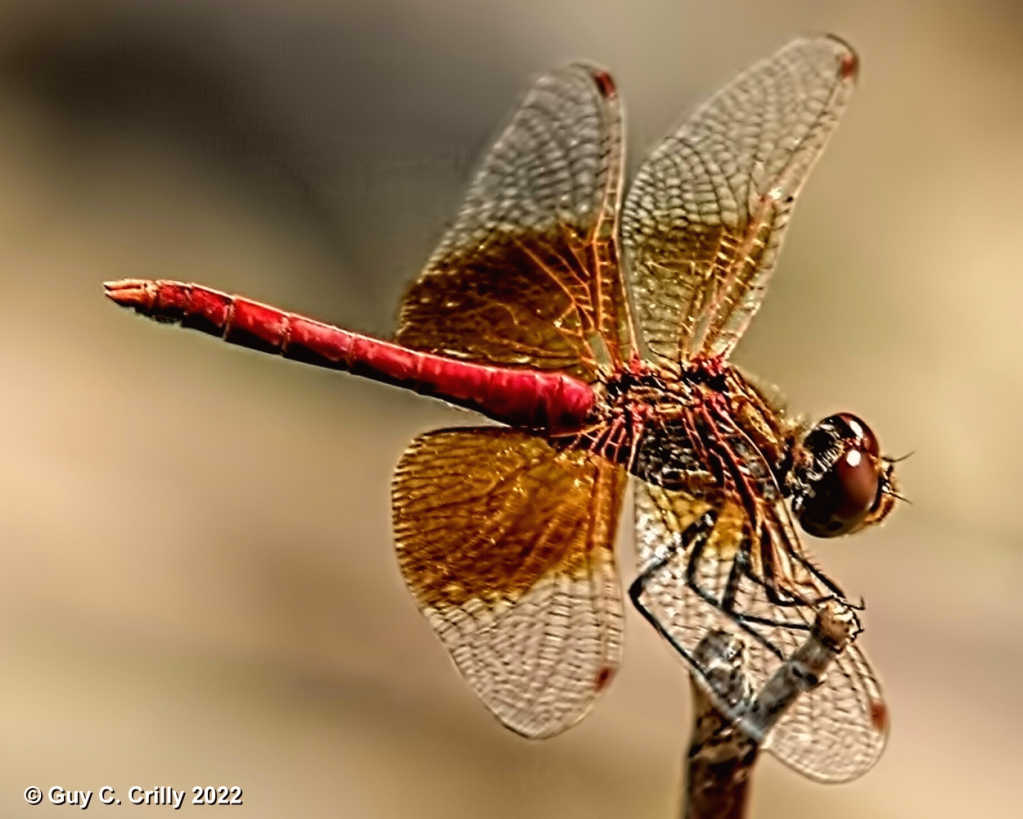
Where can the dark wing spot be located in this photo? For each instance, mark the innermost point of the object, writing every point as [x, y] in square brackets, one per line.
[605, 83]
[879, 716]
[603, 678]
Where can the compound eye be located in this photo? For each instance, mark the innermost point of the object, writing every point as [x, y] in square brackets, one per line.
[856, 430]
[846, 494]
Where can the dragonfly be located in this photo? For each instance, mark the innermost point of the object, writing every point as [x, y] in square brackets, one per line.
[597, 335]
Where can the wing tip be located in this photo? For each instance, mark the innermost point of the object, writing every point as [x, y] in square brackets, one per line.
[848, 59]
[601, 77]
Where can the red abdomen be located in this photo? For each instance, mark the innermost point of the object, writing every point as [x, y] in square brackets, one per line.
[547, 402]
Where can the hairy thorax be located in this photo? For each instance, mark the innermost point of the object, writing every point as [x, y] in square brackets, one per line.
[701, 429]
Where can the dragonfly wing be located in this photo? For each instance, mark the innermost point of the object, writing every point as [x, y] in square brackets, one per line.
[837, 731]
[528, 275]
[832, 733]
[704, 220]
[506, 544]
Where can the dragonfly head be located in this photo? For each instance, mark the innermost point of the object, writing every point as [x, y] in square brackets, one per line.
[840, 481]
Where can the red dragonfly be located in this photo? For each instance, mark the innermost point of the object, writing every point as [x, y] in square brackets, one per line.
[505, 534]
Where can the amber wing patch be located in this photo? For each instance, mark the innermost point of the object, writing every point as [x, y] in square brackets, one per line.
[704, 220]
[528, 275]
[506, 544]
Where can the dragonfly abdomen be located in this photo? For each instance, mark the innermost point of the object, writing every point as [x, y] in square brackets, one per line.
[547, 402]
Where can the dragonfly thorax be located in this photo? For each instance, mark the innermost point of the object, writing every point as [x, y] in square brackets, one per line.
[649, 419]
[641, 392]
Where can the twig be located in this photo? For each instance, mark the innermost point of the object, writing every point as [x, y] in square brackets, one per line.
[723, 750]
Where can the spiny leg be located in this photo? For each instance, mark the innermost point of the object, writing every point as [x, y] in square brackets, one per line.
[823, 578]
[694, 539]
[740, 568]
[774, 590]
[695, 535]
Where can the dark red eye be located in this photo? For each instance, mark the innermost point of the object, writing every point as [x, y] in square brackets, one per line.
[846, 483]
[856, 430]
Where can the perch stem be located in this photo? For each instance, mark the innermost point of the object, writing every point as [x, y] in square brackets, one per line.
[723, 747]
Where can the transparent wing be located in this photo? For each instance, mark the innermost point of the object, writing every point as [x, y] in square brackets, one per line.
[704, 220]
[528, 275]
[506, 544]
[834, 732]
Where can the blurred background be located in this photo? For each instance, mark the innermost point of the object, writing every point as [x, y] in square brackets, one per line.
[197, 583]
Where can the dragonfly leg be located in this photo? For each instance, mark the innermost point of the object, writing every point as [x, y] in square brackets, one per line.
[742, 568]
[693, 540]
[774, 596]
[696, 535]
[739, 569]
[776, 593]
[823, 578]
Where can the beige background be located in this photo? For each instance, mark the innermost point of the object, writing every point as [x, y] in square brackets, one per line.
[196, 578]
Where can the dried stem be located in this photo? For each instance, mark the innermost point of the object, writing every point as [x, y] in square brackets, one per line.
[723, 749]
